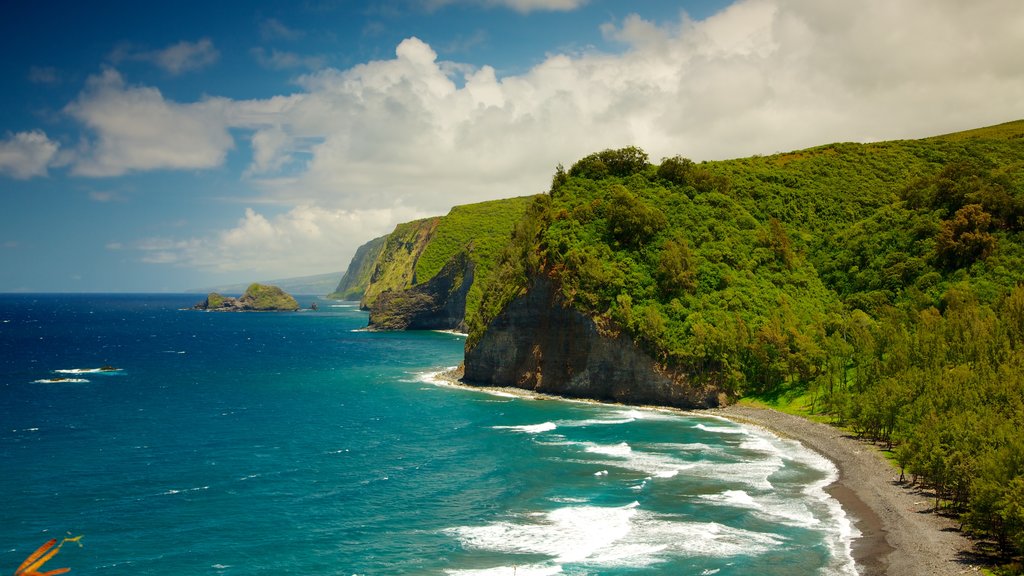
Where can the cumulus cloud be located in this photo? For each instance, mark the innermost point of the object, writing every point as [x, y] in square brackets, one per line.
[26, 154]
[175, 59]
[136, 128]
[304, 240]
[423, 134]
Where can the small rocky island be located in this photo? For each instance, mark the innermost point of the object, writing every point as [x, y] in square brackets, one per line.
[257, 298]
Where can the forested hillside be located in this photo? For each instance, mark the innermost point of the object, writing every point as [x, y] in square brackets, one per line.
[880, 281]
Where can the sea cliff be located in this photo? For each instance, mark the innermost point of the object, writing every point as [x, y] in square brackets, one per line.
[539, 343]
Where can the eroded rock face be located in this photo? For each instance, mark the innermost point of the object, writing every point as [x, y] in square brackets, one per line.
[538, 344]
[439, 304]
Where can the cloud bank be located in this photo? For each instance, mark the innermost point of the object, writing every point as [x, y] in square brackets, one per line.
[416, 135]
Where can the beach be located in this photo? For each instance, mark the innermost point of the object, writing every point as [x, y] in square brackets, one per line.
[899, 534]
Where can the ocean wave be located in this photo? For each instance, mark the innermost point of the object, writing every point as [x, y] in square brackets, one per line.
[607, 537]
[103, 370]
[60, 381]
[530, 428]
[721, 429]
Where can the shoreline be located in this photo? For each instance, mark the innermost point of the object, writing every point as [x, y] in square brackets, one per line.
[899, 536]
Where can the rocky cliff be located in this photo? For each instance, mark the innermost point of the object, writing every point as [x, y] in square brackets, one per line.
[538, 343]
[437, 304]
[427, 273]
[395, 265]
[354, 282]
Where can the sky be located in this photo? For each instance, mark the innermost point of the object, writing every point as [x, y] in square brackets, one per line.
[164, 146]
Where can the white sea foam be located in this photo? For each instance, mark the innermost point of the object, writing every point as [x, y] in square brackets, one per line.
[620, 450]
[605, 537]
[60, 381]
[173, 491]
[88, 370]
[720, 429]
[530, 428]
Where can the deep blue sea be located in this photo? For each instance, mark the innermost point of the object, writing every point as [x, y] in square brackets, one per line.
[293, 443]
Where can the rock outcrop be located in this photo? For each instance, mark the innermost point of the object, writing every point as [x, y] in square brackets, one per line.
[395, 265]
[257, 298]
[357, 277]
[438, 304]
[537, 343]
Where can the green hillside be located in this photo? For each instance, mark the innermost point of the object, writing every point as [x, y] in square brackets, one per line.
[878, 284]
[360, 269]
[417, 251]
[482, 229]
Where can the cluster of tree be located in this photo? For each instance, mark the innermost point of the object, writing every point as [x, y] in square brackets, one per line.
[881, 278]
[945, 390]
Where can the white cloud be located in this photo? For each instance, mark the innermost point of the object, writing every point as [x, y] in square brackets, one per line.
[304, 240]
[175, 59]
[26, 154]
[415, 135]
[137, 129]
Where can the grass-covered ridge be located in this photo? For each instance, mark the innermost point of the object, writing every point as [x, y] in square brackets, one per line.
[882, 283]
[415, 252]
[482, 230]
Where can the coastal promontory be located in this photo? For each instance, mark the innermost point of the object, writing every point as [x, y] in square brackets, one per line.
[257, 298]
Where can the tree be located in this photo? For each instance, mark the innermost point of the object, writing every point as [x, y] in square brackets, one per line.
[677, 268]
[630, 220]
[965, 238]
[621, 162]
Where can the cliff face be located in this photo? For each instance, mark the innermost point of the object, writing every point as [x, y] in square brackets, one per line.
[537, 343]
[438, 304]
[395, 265]
[357, 277]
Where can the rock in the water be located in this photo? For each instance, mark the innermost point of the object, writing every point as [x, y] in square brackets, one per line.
[257, 298]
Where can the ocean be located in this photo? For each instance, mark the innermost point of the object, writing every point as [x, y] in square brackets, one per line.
[295, 443]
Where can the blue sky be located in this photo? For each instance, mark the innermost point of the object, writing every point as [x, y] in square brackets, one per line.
[155, 147]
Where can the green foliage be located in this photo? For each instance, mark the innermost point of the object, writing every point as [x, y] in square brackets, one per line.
[880, 284]
[214, 300]
[354, 282]
[620, 163]
[265, 297]
[482, 230]
[630, 220]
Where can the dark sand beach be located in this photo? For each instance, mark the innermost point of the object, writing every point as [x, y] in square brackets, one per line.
[899, 534]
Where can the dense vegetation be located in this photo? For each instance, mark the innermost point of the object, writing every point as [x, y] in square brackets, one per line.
[353, 283]
[881, 280]
[481, 230]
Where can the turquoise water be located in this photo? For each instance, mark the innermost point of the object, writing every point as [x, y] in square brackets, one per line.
[291, 443]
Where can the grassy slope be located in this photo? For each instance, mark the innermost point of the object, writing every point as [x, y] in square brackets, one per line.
[483, 229]
[357, 277]
[395, 267]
